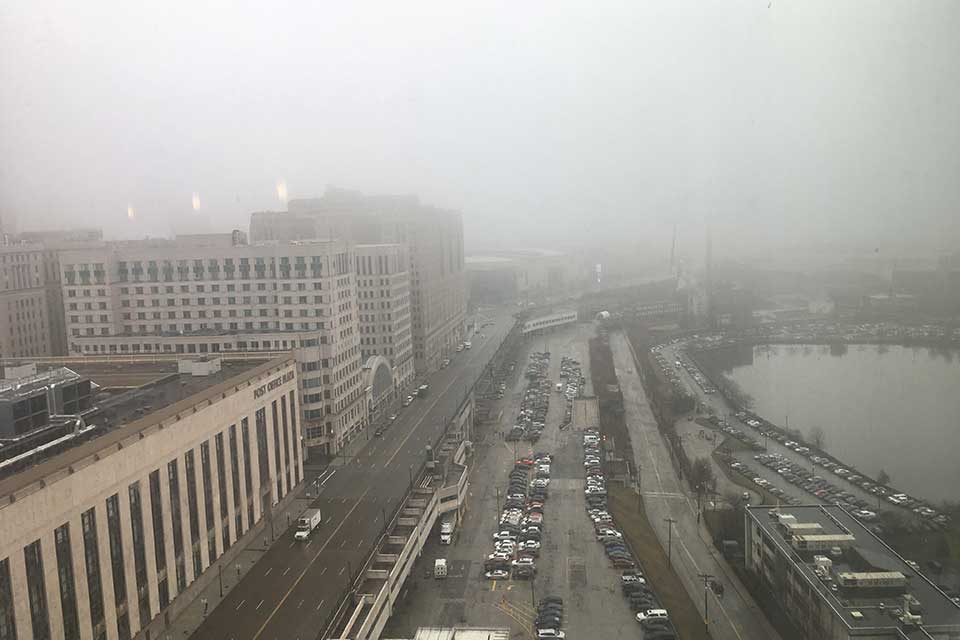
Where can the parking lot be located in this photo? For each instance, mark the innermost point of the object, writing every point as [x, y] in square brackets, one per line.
[791, 470]
[569, 564]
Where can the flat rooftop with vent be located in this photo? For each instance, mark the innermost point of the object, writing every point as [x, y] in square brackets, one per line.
[48, 408]
[836, 579]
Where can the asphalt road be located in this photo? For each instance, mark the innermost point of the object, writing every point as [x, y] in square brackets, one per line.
[292, 591]
[737, 616]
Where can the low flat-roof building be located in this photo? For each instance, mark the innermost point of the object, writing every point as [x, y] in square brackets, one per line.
[836, 580]
[165, 470]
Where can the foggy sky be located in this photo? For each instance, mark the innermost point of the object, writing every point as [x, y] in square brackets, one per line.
[546, 124]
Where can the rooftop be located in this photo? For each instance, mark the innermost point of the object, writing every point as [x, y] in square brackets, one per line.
[462, 633]
[135, 395]
[866, 553]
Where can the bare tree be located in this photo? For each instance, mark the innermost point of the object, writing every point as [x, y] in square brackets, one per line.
[818, 438]
[702, 474]
[883, 477]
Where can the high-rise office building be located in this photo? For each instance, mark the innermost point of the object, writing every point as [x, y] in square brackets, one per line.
[434, 242]
[25, 311]
[215, 293]
[383, 307]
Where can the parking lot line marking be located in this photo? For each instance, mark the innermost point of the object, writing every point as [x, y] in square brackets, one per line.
[268, 572]
[239, 605]
[342, 569]
[286, 571]
[319, 605]
[299, 604]
[324, 571]
[493, 586]
[259, 605]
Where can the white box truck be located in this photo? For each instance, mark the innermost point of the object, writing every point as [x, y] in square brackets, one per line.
[307, 523]
[440, 568]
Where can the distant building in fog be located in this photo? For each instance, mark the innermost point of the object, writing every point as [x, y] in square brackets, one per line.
[507, 275]
[31, 318]
[433, 239]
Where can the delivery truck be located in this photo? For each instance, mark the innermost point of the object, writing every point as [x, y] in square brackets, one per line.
[306, 523]
[440, 568]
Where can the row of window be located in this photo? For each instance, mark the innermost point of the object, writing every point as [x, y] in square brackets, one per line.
[202, 533]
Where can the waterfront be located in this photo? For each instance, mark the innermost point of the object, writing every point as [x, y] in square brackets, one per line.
[880, 407]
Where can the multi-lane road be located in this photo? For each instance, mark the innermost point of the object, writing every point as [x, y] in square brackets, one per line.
[292, 592]
[672, 513]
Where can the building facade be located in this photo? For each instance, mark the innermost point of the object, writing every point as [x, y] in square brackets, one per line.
[212, 294]
[383, 308]
[25, 328]
[99, 540]
[432, 237]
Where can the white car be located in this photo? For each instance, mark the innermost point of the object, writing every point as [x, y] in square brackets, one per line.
[497, 574]
[652, 613]
[551, 633]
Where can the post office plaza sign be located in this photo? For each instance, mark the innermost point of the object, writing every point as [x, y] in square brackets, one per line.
[273, 384]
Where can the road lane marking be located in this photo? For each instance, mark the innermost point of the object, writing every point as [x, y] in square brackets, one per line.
[259, 605]
[305, 569]
[239, 605]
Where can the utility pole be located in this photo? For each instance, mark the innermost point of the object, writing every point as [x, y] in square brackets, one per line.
[670, 522]
[699, 493]
[706, 582]
[220, 576]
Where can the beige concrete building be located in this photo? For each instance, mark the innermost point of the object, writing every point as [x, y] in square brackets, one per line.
[101, 539]
[24, 302]
[434, 241]
[383, 303]
[214, 293]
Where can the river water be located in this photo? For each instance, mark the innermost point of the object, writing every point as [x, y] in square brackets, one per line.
[880, 407]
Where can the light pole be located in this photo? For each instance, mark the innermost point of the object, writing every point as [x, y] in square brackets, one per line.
[410, 470]
[706, 582]
[670, 522]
